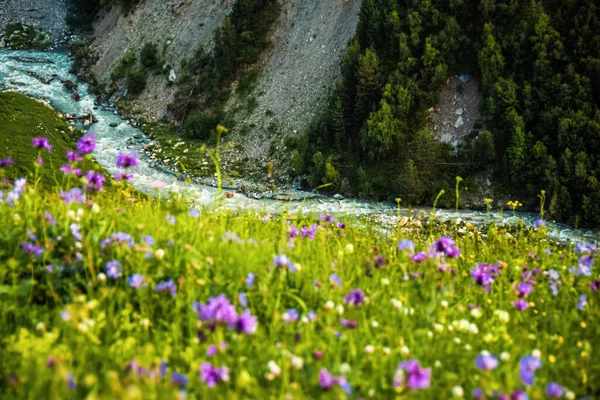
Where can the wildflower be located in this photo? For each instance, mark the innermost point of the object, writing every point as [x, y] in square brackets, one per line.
[243, 299]
[49, 218]
[123, 177]
[217, 310]
[290, 315]
[418, 378]
[484, 275]
[245, 323]
[539, 223]
[113, 269]
[297, 362]
[118, 238]
[71, 381]
[41, 143]
[335, 280]
[128, 160]
[136, 281]
[341, 225]
[211, 375]
[369, 349]
[250, 279]
[554, 390]
[486, 361]
[519, 395]
[75, 231]
[379, 261]
[148, 240]
[478, 394]
[68, 169]
[179, 380]
[584, 248]
[406, 245]
[327, 381]
[582, 302]
[194, 213]
[101, 277]
[445, 246]
[159, 254]
[524, 289]
[282, 261]
[355, 297]
[458, 392]
[170, 219]
[212, 350]
[584, 267]
[521, 305]
[65, 315]
[527, 367]
[419, 257]
[348, 324]
[5, 162]
[311, 316]
[32, 249]
[595, 285]
[87, 143]
[75, 195]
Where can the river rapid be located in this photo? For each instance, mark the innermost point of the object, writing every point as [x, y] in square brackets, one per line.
[25, 72]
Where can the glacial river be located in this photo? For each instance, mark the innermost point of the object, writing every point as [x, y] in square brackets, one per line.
[21, 71]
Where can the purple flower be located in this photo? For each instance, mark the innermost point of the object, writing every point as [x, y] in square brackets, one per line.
[49, 218]
[355, 297]
[41, 143]
[245, 323]
[95, 181]
[118, 238]
[584, 248]
[243, 299]
[406, 245]
[128, 160]
[341, 225]
[486, 361]
[554, 390]
[68, 169]
[527, 367]
[419, 257]
[217, 310]
[478, 394]
[519, 395]
[74, 195]
[293, 231]
[113, 269]
[282, 261]
[484, 275]
[250, 279]
[524, 289]
[6, 162]
[539, 223]
[327, 381]
[87, 144]
[32, 249]
[445, 246]
[348, 324]
[290, 315]
[136, 281]
[212, 350]
[123, 177]
[582, 302]
[194, 213]
[211, 376]
[418, 378]
[312, 316]
[168, 285]
[521, 304]
[179, 380]
[75, 231]
[595, 285]
[71, 381]
[170, 219]
[163, 368]
[73, 157]
[335, 280]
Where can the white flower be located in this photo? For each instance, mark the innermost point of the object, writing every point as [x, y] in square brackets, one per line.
[71, 214]
[349, 248]
[101, 277]
[95, 208]
[502, 315]
[145, 322]
[340, 309]
[78, 245]
[429, 334]
[274, 368]
[457, 392]
[437, 364]
[40, 327]
[450, 328]
[297, 362]
[16, 218]
[444, 304]
[476, 313]
[387, 351]
[159, 254]
[569, 395]
[345, 368]
[468, 347]
[457, 340]
[438, 327]
[537, 354]
[404, 351]
[329, 305]
[397, 304]
[79, 214]
[369, 349]
[375, 324]
[473, 329]
[385, 281]
[504, 356]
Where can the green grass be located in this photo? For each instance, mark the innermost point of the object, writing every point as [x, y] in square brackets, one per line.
[432, 311]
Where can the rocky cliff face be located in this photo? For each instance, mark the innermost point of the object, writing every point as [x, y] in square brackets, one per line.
[177, 26]
[48, 15]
